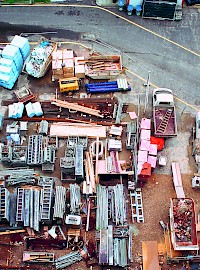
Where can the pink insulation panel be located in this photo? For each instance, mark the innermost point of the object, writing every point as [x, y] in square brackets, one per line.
[145, 123]
[153, 149]
[142, 156]
[152, 160]
[145, 134]
[144, 145]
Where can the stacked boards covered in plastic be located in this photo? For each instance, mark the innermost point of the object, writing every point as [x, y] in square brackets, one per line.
[12, 60]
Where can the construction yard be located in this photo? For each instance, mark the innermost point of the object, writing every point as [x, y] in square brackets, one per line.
[80, 194]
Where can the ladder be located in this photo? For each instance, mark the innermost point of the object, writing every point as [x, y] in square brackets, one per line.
[164, 123]
[46, 198]
[4, 203]
[137, 206]
[20, 205]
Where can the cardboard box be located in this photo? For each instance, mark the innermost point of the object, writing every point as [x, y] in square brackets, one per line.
[68, 63]
[68, 70]
[80, 71]
[57, 55]
[68, 54]
[57, 64]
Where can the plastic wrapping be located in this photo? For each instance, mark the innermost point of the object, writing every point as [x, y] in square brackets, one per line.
[23, 44]
[37, 109]
[29, 109]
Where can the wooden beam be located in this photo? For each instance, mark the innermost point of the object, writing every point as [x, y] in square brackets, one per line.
[11, 232]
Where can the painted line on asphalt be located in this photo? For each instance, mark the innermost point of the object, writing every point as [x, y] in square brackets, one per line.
[119, 16]
[131, 72]
[155, 86]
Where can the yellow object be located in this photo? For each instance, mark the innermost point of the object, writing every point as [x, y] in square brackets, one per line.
[69, 84]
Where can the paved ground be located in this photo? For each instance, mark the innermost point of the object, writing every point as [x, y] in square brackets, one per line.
[147, 51]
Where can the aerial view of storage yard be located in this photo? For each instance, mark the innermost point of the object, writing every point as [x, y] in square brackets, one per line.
[99, 141]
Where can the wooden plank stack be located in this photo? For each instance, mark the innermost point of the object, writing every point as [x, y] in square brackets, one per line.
[76, 107]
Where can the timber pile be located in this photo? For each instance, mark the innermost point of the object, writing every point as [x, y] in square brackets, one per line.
[63, 130]
[76, 107]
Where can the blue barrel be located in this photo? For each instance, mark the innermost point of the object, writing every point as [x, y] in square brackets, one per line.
[138, 10]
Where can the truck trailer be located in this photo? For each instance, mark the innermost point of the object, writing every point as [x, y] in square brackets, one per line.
[183, 224]
[164, 114]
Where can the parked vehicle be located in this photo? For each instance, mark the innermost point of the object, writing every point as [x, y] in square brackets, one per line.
[164, 113]
[196, 150]
[183, 224]
[40, 58]
[69, 85]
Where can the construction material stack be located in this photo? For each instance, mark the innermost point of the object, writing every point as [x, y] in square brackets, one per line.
[143, 167]
[12, 60]
[103, 67]
[107, 87]
[79, 66]
[62, 64]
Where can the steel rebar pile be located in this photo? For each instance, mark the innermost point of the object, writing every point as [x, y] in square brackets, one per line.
[102, 208]
[60, 201]
[75, 199]
[68, 259]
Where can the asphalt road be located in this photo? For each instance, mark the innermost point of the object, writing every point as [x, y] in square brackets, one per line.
[171, 66]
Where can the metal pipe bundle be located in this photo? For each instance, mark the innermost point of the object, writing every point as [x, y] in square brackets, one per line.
[60, 201]
[75, 199]
[68, 259]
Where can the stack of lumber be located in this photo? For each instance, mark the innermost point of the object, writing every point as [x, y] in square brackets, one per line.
[63, 130]
[89, 185]
[76, 107]
[102, 65]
